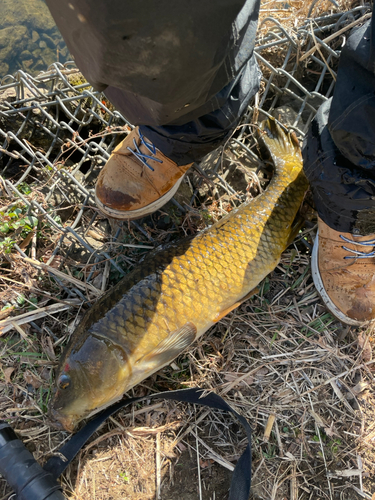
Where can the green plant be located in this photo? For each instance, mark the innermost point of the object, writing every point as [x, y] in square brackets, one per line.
[24, 188]
[124, 477]
[270, 452]
[7, 244]
[207, 217]
[16, 224]
[334, 444]
[43, 399]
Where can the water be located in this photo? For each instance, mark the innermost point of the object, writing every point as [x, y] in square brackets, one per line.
[29, 38]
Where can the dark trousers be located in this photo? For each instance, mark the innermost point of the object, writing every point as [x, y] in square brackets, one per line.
[182, 70]
[339, 149]
[185, 73]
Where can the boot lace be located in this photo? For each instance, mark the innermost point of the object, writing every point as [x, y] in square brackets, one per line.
[357, 253]
[142, 157]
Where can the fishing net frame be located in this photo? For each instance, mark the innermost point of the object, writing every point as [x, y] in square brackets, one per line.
[36, 102]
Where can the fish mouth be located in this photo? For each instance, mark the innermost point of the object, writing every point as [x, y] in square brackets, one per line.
[61, 422]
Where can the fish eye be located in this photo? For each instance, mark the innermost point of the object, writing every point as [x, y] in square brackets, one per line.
[63, 382]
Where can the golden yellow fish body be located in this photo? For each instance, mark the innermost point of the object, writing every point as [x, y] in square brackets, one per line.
[177, 293]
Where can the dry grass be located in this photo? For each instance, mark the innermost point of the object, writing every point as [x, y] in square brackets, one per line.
[303, 380]
[297, 10]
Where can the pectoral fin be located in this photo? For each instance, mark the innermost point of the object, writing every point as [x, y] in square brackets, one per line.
[236, 304]
[170, 347]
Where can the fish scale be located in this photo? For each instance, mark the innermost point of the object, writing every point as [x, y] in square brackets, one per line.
[179, 292]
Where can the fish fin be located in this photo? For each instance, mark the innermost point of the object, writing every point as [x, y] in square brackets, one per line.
[281, 144]
[296, 226]
[236, 304]
[171, 346]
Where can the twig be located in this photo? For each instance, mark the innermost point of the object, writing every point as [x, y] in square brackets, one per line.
[293, 483]
[342, 374]
[341, 396]
[334, 35]
[278, 437]
[268, 429]
[107, 269]
[213, 455]
[198, 463]
[361, 493]
[21, 332]
[323, 454]
[321, 53]
[7, 324]
[56, 272]
[360, 467]
[158, 467]
[33, 246]
[190, 428]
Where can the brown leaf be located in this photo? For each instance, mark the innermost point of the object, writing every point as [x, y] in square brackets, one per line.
[285, 393]
[147, 431]
[4, 314]
[365, 346]
[48, 348]
[205, 463]
[262, 372]
[234, 376]
[27, 240]
[31, 379]
[8, 373]
[45, 373]
[330, 430]
[56, 261]
[95, 235]
[361, 386]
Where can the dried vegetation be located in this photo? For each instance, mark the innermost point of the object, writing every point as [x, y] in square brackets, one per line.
[303, 380]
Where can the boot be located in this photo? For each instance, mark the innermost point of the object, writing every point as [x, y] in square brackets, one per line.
[137, 179]
[343, 270]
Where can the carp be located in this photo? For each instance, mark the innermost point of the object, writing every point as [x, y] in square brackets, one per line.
[177, 293]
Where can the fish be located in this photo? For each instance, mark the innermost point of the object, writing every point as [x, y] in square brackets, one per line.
[178, 292]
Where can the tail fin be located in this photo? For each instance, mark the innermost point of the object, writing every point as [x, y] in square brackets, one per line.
[283, 146]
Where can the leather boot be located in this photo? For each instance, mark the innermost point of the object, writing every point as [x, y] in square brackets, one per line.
[137, 180]
[343, 269]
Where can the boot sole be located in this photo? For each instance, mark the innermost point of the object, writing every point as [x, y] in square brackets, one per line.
[140, 212]
[318, 282]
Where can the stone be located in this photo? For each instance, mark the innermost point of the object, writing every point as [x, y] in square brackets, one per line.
[27, 25]
[31, 46]
[63, 51]
[287, 116]
[26, 63]
[37, 53]
[25, 55]
[51, 43]
[4, 68]
[12, 41]
[39, 66]
[34, 15]
[48, 57]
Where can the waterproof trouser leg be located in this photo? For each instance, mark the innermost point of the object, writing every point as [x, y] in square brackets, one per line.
[339, 149]
[183, 71]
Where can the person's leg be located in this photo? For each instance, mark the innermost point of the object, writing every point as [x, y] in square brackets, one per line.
[339, 161]
[148, 187]
[181, 71]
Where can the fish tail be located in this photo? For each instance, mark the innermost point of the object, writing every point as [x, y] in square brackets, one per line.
[283, 146]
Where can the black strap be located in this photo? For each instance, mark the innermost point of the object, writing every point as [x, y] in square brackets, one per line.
[241, 479]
